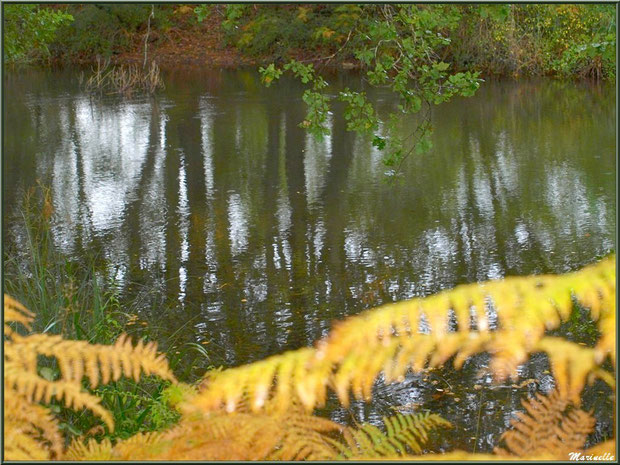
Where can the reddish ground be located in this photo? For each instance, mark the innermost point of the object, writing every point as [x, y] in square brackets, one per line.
[203, 44]
[198, 45]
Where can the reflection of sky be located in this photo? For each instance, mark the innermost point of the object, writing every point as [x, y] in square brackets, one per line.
[68, 209]
[113, 147]
[207, 146]
[183, 212]
[282, 247]
[238, 220]
[506, 173]
[317, 153]
[153, 214]
[112, 153]
[566, 195]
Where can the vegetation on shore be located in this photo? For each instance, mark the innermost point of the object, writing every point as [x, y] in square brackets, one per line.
[573, 40]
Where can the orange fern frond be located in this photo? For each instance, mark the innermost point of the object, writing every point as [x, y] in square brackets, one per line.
[222, 436]
[547, 428]
[99, 363]
[33, 388]
[20, 444]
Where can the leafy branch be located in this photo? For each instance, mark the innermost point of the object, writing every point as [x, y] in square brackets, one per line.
[399, 50]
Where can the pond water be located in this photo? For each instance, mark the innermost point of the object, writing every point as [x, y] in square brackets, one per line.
[228, 226]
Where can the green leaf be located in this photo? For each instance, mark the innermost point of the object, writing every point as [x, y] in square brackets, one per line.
[379, 142]
[47, 373]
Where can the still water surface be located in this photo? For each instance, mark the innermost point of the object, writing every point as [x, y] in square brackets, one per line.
[228, 226]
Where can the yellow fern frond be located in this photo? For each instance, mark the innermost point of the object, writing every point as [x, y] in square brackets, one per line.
[129, 448]
[17, 313]
[606, 345]
[32, 429]
[506, 318]
[33, 388]
[415, 334]
[570, 363]
[547, 428]
[290, 372]
[92, 450]
[99, 363]
[21, 445]
[136, 447]
[32, 419]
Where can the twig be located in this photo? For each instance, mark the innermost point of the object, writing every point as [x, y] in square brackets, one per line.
[148, 31]
[340, 49]
[478, 423]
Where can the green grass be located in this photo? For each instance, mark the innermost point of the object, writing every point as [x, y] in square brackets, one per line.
[69, 297]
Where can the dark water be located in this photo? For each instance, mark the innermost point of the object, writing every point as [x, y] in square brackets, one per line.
[229, 226]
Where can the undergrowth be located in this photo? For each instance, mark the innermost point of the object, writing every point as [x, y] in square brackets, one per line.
[75, 299]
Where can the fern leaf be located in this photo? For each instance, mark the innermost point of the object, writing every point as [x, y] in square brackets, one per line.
[20, 445]
[404, 434]
[92, 450]
[570, 364]
[222, 436]
[17, 313]
[290, 371]
[33, 388]
[525, 307]
[606, 345]
[31, 420]
[416, 335]
[98, 362]
[264, 437]
[135, 447]
[30, 426]
[547, 429]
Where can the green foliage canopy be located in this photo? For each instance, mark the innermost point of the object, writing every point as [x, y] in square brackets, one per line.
[29, 29]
